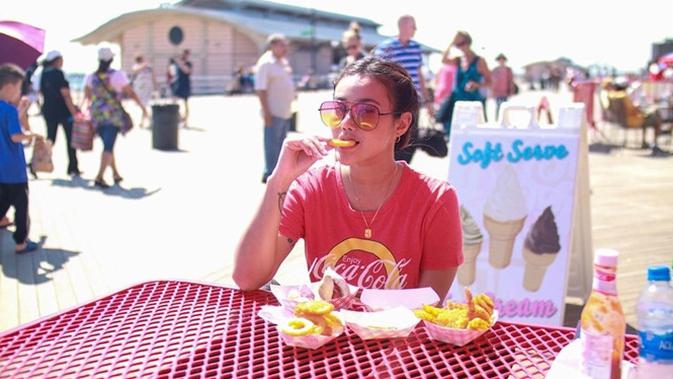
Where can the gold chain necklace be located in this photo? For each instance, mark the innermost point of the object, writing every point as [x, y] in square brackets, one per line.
[368, 228]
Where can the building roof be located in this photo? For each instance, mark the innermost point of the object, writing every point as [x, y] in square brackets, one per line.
[257, 27]
[271, 8]
[254, 18]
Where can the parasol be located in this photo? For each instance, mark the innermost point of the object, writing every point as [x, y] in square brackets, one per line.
[20, 43]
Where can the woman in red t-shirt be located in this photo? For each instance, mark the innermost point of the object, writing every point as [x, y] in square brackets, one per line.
[376, 221]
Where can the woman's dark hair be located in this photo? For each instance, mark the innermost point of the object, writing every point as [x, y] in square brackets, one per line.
[465, 35]
[46, 63]
[401, 91]
[103, 66]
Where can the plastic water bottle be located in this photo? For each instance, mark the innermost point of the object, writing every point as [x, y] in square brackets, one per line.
[655, 325]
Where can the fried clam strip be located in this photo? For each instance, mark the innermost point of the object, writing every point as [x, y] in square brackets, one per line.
[476, 314]
[474, 309]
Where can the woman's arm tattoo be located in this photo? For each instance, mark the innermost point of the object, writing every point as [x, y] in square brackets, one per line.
[281, 200]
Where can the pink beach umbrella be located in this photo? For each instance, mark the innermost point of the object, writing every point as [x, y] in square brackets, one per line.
[20, 43]
[666, 59]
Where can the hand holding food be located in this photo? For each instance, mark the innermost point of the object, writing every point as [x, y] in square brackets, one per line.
[299, 152]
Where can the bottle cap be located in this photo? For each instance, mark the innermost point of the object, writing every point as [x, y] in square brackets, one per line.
[606, 257]
[658, 273]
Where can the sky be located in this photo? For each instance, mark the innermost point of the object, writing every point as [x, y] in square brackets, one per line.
[587, 31]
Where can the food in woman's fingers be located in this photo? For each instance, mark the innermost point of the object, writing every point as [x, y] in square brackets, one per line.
[335, 142]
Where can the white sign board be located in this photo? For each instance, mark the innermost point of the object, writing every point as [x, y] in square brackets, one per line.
[517, 188]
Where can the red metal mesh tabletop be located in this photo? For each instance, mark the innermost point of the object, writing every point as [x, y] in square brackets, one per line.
[180, 329]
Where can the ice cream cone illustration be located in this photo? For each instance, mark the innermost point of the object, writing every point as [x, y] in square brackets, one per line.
[540, 249]
[504, 215]
[502, 235]
[472, 239]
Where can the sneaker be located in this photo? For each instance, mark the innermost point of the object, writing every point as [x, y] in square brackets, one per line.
[30, 246]
[657, 152]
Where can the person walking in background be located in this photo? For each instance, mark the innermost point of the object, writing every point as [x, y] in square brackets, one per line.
[102, 91]
[445, 81]
[35, 76]
[352, 43]
[472, 75]
[503, 83]
[181, 82]
[144, 82]
[27, 88]
[406, 52]
[57, 106]
[275, 89]
[13, 177]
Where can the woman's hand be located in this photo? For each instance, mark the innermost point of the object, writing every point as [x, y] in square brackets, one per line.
[296, 156]
[471, 86]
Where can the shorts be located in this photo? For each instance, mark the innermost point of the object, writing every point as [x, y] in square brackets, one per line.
[108, 133]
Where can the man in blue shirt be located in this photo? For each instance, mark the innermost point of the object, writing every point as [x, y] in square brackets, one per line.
[13, 178]
[407, 53]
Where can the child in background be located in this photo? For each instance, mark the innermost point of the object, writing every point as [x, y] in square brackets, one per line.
[13, 177]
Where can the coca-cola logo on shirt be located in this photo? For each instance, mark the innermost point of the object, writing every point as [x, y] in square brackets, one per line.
[365, 263]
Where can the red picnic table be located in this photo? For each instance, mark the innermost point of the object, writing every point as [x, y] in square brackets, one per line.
[165, 329]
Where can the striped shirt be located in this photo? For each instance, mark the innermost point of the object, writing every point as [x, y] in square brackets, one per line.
[410, 57]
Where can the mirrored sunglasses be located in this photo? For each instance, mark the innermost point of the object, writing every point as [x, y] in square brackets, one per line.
[365, 116]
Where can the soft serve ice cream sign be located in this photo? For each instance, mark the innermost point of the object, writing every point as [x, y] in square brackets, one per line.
[516, 188]
[493, 152]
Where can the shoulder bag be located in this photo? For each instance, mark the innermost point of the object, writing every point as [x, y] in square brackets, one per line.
[127, 122]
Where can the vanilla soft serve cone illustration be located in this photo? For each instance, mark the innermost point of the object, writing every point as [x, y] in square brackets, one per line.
[472, 239]
[540, 249]
[504, 215]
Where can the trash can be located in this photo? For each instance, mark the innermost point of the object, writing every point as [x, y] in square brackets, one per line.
[165, 118]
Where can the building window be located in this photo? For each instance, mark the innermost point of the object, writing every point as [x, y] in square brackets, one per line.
[175, 35]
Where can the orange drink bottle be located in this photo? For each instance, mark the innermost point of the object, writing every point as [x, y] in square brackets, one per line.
[602, 322]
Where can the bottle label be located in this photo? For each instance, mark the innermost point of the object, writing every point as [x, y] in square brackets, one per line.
[605, 280]
[596, 354]
[656, 347]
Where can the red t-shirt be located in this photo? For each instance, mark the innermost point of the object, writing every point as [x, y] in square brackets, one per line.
[417, 228]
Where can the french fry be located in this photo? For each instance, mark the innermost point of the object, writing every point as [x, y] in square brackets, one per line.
[335, 142]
